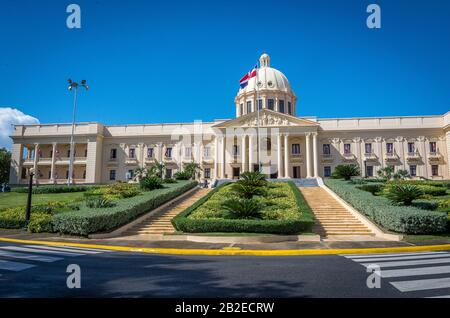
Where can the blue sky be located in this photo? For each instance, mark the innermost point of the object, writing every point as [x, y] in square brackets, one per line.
[178, 61]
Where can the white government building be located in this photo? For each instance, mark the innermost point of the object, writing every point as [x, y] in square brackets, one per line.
[295, 147]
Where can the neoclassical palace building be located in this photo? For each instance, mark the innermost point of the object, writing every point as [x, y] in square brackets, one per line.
[273, 137]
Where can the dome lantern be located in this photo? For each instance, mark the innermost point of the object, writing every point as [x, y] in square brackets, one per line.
[264, 60]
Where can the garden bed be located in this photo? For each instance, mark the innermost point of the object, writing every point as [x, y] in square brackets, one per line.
[397, 218]
[284, 212]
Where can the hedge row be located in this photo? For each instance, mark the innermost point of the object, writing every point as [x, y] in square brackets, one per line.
[400, 219]
[53, 189]
[303, 224]
[89, 220]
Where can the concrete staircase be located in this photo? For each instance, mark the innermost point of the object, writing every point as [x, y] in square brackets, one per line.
[332, 218]
[160, 223]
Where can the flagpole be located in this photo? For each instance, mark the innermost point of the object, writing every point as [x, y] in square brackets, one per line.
[257, 116]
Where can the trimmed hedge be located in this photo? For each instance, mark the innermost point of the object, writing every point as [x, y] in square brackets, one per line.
[371, 187]
[303, 224]
[400, 219]
[87, 221]
[53, 189]
[425, 204]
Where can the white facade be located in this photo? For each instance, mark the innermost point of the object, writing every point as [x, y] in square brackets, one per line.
[289, 147]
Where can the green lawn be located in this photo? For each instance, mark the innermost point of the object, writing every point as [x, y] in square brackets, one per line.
[13, 199]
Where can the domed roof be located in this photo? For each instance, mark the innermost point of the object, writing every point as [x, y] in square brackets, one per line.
[268, 78]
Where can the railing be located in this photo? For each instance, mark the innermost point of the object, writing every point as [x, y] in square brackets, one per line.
[413, 155]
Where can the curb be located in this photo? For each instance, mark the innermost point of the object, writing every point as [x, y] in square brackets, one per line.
[237, 252]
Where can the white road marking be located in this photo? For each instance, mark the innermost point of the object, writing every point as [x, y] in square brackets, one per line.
[422, 284]
[445, 296]
[85, 249]
[31, 257]
[399, 258]
[415, 271]
[410, 263]
[14, 266]
[62, 249]
[31, 250]
[355, 256]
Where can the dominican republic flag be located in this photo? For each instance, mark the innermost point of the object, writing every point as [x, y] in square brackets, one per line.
[244, 80]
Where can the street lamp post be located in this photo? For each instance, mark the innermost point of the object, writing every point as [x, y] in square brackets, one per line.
[73, 86]
[28, 208]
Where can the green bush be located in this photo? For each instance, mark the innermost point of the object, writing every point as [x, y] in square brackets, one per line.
[41, 222]
[346, 171]
[402, 219]
[425, 204]
[150, 183]
[44, 189]
[87, 221]
[303, 222]
[182, 175]
[371, 187]
[115, 191]
[243, 208]
[252, 178]
[100, 201]
[432, 190]
[169, 180]
[404, 193]
[247, 191]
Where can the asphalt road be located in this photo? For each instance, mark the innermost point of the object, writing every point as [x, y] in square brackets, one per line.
[41, 271]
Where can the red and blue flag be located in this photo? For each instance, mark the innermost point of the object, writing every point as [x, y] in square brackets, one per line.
[244, 80]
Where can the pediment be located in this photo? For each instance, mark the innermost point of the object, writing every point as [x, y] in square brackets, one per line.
[267, 118]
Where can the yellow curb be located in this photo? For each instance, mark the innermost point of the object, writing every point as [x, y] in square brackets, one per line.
[232, 252]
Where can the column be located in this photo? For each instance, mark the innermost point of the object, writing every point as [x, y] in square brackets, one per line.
[286, 155]
[216, 157]
[243, 154]
[315, 156]
[223, 156]
[35, 161]
[94, 162]
[308, 156]
[279, 156]
[52, 169]
[15, 173]
[141, 155]
[250, 152]
[447, 144]
[424, 156]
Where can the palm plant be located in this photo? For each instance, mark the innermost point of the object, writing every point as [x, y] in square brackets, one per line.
[247, 191]
[192, 168]
[401, 175]
[386, 173]
[139, 173]
[157, 169]
[404, 193]
[346, 171]
[243, 208]
[253, 178]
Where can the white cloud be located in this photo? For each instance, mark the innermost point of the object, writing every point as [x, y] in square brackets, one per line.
[9, 117]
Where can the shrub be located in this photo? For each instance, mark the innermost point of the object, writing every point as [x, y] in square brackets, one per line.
[401, 175]
[41, 222]
[116, 191]
[243, 208]
[247, 191]
[87, 220]
[346, 171]
[252, 178]
[386, 173]
[404, 193]
[302, 223]
[44, 189]
[169, 180]
[444, 204]
[150, 183]
[182, 175]
[402, 219]
[425, 204]
[432, 190]
[372, 187]
[100, 201]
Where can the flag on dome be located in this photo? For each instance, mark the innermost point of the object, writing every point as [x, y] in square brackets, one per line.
[244, 80]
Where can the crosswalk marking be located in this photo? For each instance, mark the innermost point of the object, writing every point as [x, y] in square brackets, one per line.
[84, 248]
[422, 284]
[410, 263]
[63, 249]
[445, 296]
[415, 271]
[31, 257]
[32, 250]
[399, 258]
[358, 256]
[14, 266]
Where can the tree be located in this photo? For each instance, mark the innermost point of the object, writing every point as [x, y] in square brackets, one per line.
[401, 175]
[346, 171]
[157, 169]
[140, 173]
[5, 164]
[404, 193]
[191, 169]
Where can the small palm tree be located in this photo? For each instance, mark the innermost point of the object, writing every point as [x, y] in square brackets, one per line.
[192, 168]
[346, 171]
[404, 193]
[243, 208]
[386, 173]
[139, 173]
[157, 169]
[252, 178]
[401, 175]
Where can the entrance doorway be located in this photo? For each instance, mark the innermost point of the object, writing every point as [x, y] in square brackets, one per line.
[236, 173]
[296, 172]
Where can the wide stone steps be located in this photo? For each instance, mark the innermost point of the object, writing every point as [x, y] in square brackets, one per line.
[332, 218]
[161, 222]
